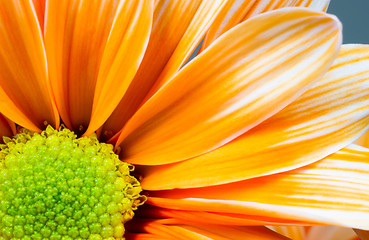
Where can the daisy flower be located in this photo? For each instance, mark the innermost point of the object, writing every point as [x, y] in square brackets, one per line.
[254, 131]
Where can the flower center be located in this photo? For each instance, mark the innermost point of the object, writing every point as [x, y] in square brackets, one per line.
[54, 185]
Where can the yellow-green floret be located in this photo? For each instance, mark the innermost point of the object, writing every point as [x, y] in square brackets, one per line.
[54, 185]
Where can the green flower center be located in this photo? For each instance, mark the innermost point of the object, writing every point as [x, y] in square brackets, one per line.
[54, 185]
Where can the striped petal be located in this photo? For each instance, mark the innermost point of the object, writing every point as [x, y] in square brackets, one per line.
[25, 92]
[237, 11]
[88, 43]
[323, 120]
[279, 53]
[178, 27]
[333, 191]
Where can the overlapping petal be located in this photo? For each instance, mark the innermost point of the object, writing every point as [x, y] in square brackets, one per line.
[237, 11]
[178, 26]
[25, 94]
[7, 128]
[158, 230]
[94, 48]
[40, 11]
[331, 191]
[247, 76]
[323, 120]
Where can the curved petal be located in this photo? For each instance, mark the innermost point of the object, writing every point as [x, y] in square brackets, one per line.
[329, 116]
[88, 43]
[278, 53]
[237, 11]
[25, 93]
[333, 191]
[178, 26]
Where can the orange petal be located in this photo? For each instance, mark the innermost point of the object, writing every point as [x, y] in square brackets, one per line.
[330, 233]
[25, 93]
[237, 11]
[363, 140]
[6, 128]
[203, 217]
[125, 49]
[293, 232]
[333, 191]
[364, 235]
[279, 54]
[178, 26]
[207, 231]
[40, 11]
[87, 43]
[323, 120]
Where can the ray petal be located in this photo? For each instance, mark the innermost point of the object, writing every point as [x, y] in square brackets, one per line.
[178, 26]
[237, 11]
[323, 120]
[219, 96]
[25, 92]
[333, 191]
[88, 43]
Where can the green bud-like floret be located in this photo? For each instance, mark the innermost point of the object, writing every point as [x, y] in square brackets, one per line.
[54, 185]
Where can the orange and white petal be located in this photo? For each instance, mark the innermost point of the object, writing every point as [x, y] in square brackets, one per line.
[25, 92]
[87, 44]
[237, 11]
[333, 191]
[247, 76]
[178, 26]
[203, 231]
[326, 118]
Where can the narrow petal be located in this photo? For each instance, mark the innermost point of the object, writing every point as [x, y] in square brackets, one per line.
[207, 231]
[292, 232]
[25, 93]
[329, 116]
[334, 191]
[178, 27]
[364, 235]
[7, 128]
[205, 217]
[88, 43]
[222, 93]
[330, 233]
[237, 11]
[40, 11]
[125, 49]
